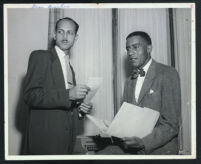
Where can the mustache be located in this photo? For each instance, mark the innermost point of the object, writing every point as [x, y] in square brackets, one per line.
[131, 58]
[65, 41]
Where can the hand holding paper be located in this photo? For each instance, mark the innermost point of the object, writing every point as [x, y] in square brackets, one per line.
[86, 108]
[130, 121]
[78, 92]
[94, 84]
[132, 142]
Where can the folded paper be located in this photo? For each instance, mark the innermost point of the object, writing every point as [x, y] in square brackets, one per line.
[94, 83]
[131, 120]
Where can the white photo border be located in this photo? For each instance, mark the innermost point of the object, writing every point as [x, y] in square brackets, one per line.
[105, 157]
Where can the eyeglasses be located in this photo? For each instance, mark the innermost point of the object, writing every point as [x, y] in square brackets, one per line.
[134, 47]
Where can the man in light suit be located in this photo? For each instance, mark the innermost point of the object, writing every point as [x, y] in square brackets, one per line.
[155, 86]
[53, 97]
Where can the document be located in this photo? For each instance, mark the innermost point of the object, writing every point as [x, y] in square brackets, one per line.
[94, 83]
[101, 124]
[131, 120]
[98, 122]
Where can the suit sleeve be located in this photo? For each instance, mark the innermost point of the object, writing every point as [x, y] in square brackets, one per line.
[35, 93]
[168, 125]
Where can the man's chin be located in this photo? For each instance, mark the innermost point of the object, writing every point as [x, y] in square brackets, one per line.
[65, 48]
[134, 65]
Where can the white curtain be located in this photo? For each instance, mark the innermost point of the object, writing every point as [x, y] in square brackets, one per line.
[92, 54]
[153, 21]
[54, 15]
[182, 30]
[92, 57]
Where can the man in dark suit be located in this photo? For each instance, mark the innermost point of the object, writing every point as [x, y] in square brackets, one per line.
[155, 86]
[53, 97]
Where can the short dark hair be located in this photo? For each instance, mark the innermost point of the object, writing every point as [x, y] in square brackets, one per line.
[69, 19]
[142, 34]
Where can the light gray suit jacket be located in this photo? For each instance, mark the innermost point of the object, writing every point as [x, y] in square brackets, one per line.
[160, 92]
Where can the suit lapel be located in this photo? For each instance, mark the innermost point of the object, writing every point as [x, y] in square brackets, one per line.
[148, 81]
[132, 92]
[57, 70]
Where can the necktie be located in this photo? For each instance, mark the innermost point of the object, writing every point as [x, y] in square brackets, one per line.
[69, 72]
[137, 72]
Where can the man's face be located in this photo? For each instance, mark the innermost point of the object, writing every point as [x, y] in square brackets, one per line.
[138, 51]
[65, 35]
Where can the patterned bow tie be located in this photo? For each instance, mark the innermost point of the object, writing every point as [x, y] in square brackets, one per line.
[137, 72]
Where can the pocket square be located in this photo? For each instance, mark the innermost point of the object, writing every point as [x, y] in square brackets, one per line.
[151, 91]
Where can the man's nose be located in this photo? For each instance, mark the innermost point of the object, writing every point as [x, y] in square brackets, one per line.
[65, 37]
[131, 53]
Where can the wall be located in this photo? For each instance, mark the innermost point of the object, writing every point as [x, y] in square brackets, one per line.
[27, 31]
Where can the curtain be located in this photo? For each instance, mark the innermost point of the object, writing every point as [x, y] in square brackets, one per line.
[182, 30]
[153, 21]
[54, 15]
[91, 56]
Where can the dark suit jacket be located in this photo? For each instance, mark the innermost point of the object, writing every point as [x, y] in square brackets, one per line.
[52, 115]
[165, 97]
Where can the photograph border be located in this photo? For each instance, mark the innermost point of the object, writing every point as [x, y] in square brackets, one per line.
[107, 157]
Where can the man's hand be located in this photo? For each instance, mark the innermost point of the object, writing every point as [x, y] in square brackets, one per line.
[132, 142]
[85, 107]
[78, 92]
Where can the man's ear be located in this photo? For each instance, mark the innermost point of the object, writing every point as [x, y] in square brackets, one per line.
[76, 37]
[149, 48]
[54, 35]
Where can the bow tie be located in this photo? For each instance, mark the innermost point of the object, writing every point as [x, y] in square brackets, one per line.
[137, 72]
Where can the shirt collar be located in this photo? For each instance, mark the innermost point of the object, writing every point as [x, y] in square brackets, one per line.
[60, 52]
[146, 67]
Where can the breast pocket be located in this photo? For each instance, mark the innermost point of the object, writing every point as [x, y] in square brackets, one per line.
[153, 100]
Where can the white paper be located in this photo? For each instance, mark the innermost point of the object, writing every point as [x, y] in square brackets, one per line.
[130, 121]
[98, 122]
[94, 83]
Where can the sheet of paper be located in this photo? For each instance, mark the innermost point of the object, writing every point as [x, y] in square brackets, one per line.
[94, 83]
[98, 122]
[132, 121]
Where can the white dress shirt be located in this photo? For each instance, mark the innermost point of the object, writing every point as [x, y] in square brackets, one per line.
[62, 59]
[140, 80]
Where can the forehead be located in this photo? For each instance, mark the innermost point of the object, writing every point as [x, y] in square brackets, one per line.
[135, 40]
[66, 24]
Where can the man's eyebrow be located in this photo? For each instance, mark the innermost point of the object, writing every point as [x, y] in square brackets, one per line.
[64, 29]
[59, 29]
[133, 44]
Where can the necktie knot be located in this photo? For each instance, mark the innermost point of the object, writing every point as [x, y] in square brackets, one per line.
[137, 72]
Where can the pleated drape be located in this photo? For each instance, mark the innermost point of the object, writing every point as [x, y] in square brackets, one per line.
[54, 15]
[183, 56]
[91, 56]
[155, 22]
